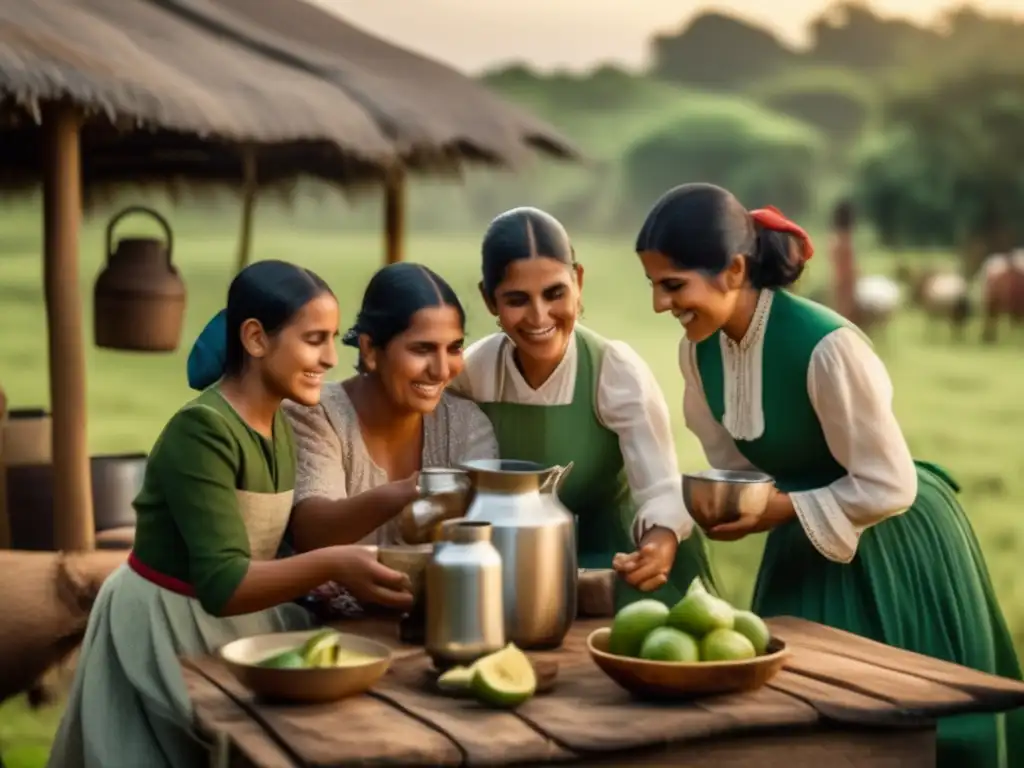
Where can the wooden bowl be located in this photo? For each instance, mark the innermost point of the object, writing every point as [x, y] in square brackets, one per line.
[308, 686]
[663, 679]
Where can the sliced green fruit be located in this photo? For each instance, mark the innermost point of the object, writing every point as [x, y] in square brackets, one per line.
[290, 659]
[318, 651]
[633, 623]
[667, 644]
[504, 679]
[456, 679]
[752, 627]
[700, 613]
[345, 657]
[726, 645]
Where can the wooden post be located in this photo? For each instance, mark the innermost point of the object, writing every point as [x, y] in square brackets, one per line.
[5, 520]
[844, 262]
[394, 216]
[73, 524]
[249, 187]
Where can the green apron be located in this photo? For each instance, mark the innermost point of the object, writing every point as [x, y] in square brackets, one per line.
[596, 491]
[918, 581]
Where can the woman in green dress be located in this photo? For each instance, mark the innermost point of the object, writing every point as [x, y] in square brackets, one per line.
[215, 503]
[861, 537]
[557, 392]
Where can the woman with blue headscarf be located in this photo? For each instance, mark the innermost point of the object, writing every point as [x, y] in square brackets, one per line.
[215, 504]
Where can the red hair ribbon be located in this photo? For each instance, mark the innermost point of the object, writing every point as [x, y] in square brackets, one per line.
[772, 218]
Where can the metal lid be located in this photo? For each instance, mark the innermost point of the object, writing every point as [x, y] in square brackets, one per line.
[463, 531]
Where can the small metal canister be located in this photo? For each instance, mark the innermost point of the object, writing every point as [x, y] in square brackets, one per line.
[465, 616]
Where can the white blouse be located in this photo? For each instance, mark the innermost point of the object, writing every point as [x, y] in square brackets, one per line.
[851, 393]
[629, 403]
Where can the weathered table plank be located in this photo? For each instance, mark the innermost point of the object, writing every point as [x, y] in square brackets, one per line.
[998, 692]
[238, 739]
[589, 713]
[363, 730]
[833, 700]
[485, 736]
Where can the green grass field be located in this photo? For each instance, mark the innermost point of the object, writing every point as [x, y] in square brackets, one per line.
[959, 405]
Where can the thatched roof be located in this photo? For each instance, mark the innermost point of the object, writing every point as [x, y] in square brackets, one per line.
[420, 103]
[194, 82]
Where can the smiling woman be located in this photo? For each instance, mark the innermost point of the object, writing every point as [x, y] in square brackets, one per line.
[557, 392]
[214, 506]
[361, 448]
[861, 536]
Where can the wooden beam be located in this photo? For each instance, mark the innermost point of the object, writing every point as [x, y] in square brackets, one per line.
[5, 519]
[73, 526]
[249, 188]
[394, 217]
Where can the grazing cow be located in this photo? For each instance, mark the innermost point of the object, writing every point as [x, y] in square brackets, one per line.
[1002, 291]
[875, 300]
[942, 294]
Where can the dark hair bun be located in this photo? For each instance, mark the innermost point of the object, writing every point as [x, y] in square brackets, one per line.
[522, 233]
[394, 294]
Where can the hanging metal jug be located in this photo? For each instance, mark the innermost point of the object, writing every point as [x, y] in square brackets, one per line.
[139, 299]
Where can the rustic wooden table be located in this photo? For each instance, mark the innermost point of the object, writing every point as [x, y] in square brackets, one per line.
[841, 701]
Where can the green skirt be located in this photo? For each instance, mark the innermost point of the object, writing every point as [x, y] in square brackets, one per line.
[919, 582]
[128, 706]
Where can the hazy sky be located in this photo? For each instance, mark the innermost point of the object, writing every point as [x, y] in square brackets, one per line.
[475, 34]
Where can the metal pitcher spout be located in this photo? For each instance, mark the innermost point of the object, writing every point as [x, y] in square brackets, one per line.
[554, 478]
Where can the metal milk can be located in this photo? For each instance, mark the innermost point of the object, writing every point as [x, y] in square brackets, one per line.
[464, 603]
[535, 534]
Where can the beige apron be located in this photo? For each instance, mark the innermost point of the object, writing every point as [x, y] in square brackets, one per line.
[129, 706]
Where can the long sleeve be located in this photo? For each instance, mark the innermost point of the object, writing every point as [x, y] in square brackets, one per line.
[631, 404]
[852, 396]
[196, 464]
[319, 470]
[719, 448]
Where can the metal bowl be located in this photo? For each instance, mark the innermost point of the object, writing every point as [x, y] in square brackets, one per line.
[717, 496]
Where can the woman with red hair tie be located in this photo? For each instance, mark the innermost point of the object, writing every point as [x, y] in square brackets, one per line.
[860, 536]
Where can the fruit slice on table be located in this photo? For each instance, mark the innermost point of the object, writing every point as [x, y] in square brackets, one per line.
[504, 679]
[752, 627]
[633, 623]
[726, 645]
[456, 679]
[320, 649]
[667, 644]
[700, 613]
[290, 659]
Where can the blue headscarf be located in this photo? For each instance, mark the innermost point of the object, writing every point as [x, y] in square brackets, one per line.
[209, 354]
